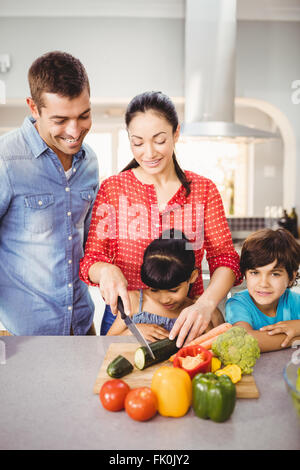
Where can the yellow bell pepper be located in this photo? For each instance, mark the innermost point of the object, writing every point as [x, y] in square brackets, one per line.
[233, 371]
[173, 389]
[215, 364]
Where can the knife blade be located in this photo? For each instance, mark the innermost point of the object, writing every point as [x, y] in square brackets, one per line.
[134, 330]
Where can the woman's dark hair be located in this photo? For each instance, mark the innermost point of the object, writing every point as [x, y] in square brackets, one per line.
[167, 263]
[161, 104]
[266, 246]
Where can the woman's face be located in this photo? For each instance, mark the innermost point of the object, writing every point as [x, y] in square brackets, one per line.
[152, 141]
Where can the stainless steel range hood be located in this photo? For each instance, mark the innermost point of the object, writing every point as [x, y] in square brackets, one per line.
[210, 43]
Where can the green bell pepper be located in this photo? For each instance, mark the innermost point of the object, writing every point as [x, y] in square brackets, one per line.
[213, 397]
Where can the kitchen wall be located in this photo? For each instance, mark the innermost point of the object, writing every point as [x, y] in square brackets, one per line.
[124, 56]
[265, 184]
[267, 64]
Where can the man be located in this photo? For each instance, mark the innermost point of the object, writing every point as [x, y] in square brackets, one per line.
[49, 180]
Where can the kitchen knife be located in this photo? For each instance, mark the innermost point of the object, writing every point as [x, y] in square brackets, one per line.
[131, 326]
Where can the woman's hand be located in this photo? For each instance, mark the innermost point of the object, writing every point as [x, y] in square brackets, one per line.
[192, 322]
[150, 331]
[290, 328]
[113, 283]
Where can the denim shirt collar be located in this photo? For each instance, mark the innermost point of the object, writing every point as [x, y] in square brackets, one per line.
[37, 145]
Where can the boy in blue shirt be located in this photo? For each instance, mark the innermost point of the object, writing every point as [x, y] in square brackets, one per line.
[268, 309]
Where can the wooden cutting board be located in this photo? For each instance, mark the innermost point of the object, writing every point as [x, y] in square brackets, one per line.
[246, 388]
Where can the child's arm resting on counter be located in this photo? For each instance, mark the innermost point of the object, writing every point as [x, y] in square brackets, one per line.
[273, 337]
[239, 312]
[290, 328]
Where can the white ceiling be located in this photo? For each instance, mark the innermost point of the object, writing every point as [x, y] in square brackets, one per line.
[273, 10]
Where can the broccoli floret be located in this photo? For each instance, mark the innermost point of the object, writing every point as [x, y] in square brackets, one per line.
[237, 331]
[236, 346]
[233, 354]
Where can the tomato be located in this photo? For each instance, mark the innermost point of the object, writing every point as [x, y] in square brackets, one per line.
[113, 393]
[141, 403]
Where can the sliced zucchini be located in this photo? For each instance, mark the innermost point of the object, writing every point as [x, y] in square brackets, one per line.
[119, 367]
[162, 350]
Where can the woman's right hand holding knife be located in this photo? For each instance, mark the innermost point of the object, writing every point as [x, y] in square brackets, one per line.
[112, 283]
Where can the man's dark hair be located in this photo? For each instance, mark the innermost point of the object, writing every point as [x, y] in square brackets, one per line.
[57, 72]
[266, 246]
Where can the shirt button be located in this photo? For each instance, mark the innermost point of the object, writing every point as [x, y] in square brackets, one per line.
[40, 203]
[69, 213]
[74, 170]
[67, 189]
[70, 237]
[89, 196]
[70, 261]
[70, 284]
[70, 307]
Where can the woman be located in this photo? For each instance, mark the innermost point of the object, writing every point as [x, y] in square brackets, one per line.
[151, 194]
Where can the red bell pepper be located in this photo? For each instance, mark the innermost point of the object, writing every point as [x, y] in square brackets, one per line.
[203, 364]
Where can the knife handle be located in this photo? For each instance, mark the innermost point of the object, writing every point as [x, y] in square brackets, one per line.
[121, 308]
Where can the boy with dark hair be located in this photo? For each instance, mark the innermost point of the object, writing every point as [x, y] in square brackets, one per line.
[49, 180]
[268, 309]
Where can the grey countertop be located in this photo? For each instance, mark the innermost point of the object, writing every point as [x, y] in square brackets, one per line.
[47, 402]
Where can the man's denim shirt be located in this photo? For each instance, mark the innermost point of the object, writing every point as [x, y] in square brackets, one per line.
[44, 221]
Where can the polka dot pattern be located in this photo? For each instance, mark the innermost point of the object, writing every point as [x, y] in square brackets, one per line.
[126, 219]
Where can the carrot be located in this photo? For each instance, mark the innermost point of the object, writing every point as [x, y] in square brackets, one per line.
[208, 343]
[211, 334]
[207, 339]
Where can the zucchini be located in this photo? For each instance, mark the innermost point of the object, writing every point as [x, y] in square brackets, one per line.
[119, 367]
[162, 350]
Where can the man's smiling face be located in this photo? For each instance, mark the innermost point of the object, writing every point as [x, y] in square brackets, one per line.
[63, 122]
